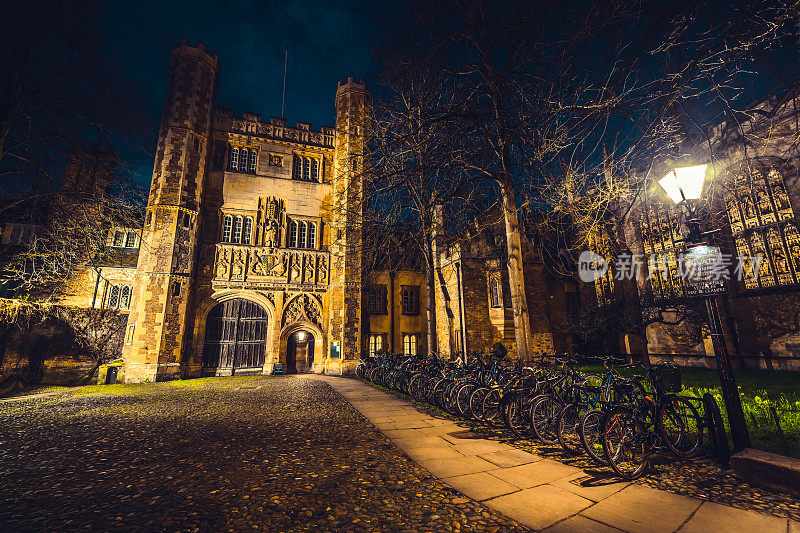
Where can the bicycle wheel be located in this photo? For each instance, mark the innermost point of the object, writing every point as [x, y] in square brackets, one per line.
[436, 393]
[625, 443]
[476, 402]
[491, 407]
[679, 426]
[589, 431]
[415, 386]
[544, 413]
[461, 400]
[568, 426]
[516, 417]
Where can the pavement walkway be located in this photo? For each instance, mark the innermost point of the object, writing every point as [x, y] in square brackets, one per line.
[538, 492]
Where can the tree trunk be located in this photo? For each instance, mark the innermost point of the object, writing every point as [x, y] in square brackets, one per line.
[516, 280]
[431, 295]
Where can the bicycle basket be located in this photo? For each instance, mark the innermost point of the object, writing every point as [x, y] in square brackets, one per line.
[669, 376]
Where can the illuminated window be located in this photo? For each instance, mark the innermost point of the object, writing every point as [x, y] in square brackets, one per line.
[375, 343]
[604, 285]
[293, 234]
[234, 159]
[662, 242]
[125, 297]
[763, 225]
[302, 235]
[237, 230]
[248, 230]
[253, 158]
[227, 226]
[409, 344]
[312, 235]
[113, 297]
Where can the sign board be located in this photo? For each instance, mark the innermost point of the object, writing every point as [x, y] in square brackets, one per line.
[334, 349]
[704, 271]
[277, 370]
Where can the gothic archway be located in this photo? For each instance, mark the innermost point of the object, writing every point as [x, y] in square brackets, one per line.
[235, 338]
[300, 352]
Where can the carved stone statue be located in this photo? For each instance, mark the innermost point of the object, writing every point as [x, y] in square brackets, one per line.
[295, 269]
[271, 239]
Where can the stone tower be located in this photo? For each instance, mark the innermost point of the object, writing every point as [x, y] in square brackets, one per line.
[353, 105]
[154, 339]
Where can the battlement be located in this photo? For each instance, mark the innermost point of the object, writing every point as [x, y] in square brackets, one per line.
[276, 128]
[350, 84]
[184, 48]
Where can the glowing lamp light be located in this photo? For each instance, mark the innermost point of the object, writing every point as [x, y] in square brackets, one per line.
[684, 183]
[301, 336]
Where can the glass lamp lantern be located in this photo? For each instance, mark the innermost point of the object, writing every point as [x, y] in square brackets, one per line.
[684, 183]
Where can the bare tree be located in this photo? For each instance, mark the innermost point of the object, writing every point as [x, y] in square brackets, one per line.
[418, 173]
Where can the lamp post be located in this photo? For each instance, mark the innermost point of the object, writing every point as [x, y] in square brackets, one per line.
[684, 185]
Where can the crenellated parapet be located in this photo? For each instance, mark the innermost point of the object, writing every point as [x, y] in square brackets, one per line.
[275, 129]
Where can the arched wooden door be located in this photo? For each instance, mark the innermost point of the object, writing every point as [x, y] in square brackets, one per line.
[236, 338]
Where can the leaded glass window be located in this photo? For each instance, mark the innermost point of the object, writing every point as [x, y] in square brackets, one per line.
[312, 235]
[237, 230]
[603, 285]
[293, 234]
[125, 297]
[302, 235]
[764, 228]
[234, 159]
[662, 243]
[113, 297]
[248, 230]
[227, 226]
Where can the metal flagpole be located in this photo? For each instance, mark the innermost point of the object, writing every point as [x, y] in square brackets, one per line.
[283, 95]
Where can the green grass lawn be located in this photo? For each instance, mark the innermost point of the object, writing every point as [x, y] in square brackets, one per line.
[759, 389]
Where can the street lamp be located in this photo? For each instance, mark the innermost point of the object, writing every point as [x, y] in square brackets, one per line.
[684, 185]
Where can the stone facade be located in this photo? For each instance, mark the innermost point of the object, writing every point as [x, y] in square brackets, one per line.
[245, 210]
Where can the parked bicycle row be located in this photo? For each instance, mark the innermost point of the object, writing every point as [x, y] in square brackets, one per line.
[617, 420]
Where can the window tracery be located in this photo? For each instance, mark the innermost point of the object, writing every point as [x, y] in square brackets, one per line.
[763, 225]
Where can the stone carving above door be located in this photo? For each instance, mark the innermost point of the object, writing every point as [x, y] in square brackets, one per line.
[233, 262]
[302, 308]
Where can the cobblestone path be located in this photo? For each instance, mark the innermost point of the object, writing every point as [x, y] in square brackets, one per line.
[280, 454]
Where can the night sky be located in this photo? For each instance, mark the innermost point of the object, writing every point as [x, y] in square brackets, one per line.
[327, 41]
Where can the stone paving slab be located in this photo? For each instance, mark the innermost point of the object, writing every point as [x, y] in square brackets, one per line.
[506, 458]
[480, 486]
[640, 508]
[715, 517]
[582, 524]
[533, 474]
[541, 493]
[539, 507]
